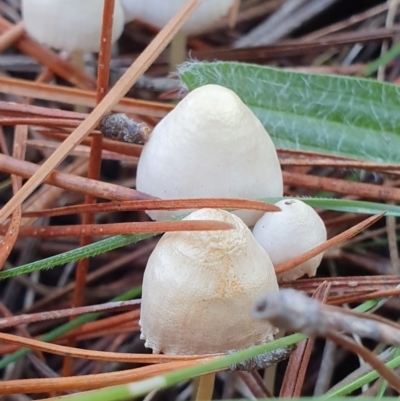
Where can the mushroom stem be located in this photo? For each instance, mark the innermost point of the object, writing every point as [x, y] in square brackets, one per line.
[234, 13]
[270, 371]
[78, 61]
[177, 50]
[205, 387]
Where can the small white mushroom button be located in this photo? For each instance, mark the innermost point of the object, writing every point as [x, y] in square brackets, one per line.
[290, 233]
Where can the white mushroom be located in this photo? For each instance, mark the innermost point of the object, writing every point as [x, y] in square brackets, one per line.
[210, 145]
[159, 12]
[296, 229]
[198, 289]
[70, 25]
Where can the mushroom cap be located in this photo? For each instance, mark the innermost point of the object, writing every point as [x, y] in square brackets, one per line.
[210, 145]
[296, 229]
[159, 12]
[199, 287]
[70, 25]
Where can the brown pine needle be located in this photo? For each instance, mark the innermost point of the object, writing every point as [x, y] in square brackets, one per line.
[360, 189]
[350, 298]
[89, 382]
[79, 97]
[12, 321]
[150, 227]
[97, 355]
[11, 235]
[11, 35]
[157, 204]
[71, 182]
[296, 369]
[349, 284]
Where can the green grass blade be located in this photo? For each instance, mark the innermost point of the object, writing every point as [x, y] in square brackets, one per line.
[383, 386]
[83, 252]
[390, 55]
[342, 116]
[361, 381]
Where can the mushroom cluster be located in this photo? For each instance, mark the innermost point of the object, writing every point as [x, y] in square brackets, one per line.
[198, 287]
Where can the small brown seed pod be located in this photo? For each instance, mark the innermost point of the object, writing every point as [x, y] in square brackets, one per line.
[119, 127]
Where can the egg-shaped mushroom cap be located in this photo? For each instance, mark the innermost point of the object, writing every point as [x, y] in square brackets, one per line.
[210, 145]
[199, 287]
[70, 25]
[159, 12]
[296, 229]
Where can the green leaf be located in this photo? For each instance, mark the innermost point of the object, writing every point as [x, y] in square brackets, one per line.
[343, 116]
[344, 205]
